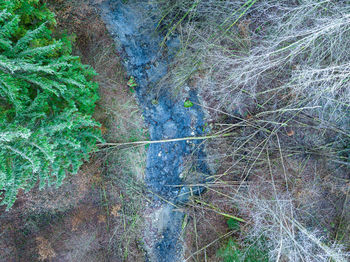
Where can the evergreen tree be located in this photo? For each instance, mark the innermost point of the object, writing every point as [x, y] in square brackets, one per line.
[47, 98]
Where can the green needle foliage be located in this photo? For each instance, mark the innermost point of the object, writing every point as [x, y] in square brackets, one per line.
[47, 98]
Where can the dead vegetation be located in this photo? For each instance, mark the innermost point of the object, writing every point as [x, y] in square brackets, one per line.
[44, 249]
[274, 76]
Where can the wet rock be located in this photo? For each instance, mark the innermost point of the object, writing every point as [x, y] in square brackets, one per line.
[159, 114]
[169, 129]
[155, 73]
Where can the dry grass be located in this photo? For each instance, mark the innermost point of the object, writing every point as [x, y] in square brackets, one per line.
[44, 249]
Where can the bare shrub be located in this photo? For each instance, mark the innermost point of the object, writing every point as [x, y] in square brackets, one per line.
[280, 47]
[275, 76]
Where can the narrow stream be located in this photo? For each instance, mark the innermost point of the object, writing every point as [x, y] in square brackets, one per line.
[133, 26]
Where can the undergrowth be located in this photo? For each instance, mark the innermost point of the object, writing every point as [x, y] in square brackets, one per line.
[275, 76]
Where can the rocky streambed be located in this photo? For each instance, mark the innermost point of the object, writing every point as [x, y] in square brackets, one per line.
[133, 25]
